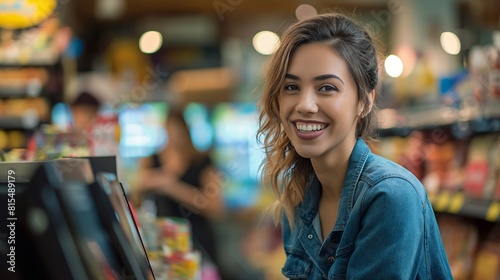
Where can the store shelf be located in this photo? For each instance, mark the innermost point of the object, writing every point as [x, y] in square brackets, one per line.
[460, 204]
[20, 92]
[42, 61]
[18, 122]
[464, 121]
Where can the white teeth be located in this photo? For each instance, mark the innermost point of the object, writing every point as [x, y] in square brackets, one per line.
[303, 127]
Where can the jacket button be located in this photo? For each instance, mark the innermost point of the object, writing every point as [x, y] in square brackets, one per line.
[331, 259]
[310, 236]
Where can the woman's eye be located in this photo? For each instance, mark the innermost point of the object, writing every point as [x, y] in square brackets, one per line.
[291, 87]
[328, 88]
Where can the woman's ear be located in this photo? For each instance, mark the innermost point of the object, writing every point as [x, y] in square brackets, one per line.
[364, 108]
[369, 106]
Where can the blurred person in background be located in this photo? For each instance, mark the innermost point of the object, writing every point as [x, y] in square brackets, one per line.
[184, 183]
[84, 110]
[345, 212]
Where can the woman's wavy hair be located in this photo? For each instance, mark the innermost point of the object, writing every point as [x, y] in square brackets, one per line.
[286, 172]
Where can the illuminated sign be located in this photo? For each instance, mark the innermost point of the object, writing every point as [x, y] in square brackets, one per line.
[18, 14]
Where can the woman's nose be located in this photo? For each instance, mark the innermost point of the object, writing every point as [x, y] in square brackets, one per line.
[307, 103]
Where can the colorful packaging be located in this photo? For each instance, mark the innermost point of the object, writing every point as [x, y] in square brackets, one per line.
[104, 135]
[176, 234]
[487, 262]
[184, 266]
[487, 266]
[460, 240]
[477, 168]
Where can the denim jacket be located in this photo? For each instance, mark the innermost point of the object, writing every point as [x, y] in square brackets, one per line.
[385, 228]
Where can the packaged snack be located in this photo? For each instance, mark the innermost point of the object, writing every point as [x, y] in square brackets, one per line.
[460, 240]
[176, 234]
[487, 265]
[487, 262]
[477, 169]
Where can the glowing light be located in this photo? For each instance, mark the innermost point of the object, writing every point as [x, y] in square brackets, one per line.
[150, 42]
[266, 42]
[450, 43]
[393, 66]
[304, 11]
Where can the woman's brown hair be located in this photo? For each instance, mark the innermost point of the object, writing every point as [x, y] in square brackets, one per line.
[286, 172]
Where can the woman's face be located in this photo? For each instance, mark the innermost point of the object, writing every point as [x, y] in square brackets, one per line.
[177, 136]
[318, 102]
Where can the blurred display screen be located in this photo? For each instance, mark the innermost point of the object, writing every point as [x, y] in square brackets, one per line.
[142, 128]
[197, 117]
[237, 153]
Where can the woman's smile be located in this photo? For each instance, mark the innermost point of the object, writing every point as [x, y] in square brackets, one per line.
[308, 130]
[318, 103]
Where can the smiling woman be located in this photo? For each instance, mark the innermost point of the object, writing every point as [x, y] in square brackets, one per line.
[318, 102]
[345, 212]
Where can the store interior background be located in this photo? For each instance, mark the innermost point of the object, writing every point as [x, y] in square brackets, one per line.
[208, 61]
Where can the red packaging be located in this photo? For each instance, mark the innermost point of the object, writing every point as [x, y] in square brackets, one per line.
[476, 174]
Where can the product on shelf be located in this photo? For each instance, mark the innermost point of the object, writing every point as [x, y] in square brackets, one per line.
[23, 78]
[455, 176]
[170, 248]
[494, 79]
[4, 140]
[12, 139]
[180, 261]
[30, 79]
[49, 142]
[21, 107]
[438, 160]
[175, 234]
[39, 45]
[16, 139]
[460, 240]
[104, 134]
[487, 264]
[478, 167]
[183, 266]
[492, 186]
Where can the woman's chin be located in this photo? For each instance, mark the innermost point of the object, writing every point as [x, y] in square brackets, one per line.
[307, 152]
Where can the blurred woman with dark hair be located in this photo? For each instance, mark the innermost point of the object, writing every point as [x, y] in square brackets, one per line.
[185, 183]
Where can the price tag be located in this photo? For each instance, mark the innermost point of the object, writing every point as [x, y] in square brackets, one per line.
[456, 203]
[442, 202]
[493, 212]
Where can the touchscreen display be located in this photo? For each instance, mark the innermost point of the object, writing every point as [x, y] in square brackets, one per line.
[120, 204]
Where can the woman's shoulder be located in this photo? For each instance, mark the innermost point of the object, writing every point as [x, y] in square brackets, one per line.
[379, 168]
[383, 175]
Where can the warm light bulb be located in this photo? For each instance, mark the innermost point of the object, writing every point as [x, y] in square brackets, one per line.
[450, 42]
[266, 42]
[150, 42]
[393, 66]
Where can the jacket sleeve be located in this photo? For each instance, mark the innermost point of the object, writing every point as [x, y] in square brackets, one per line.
[391, 237]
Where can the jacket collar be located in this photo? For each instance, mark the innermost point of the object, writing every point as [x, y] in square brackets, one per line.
[308, 209]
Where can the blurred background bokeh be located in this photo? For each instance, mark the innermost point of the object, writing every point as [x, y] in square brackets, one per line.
[439, 95]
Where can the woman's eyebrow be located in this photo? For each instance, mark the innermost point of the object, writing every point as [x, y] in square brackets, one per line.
[318, 78]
